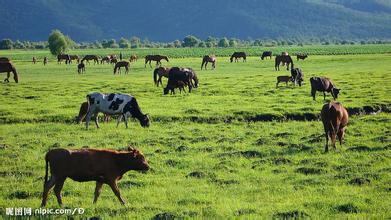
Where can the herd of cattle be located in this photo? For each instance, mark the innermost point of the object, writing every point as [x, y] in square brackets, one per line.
[107, 166]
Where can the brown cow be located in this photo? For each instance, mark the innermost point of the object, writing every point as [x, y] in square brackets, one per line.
[133, 58]
[102, 166]
[83, 112]
[324, 85]
[335, 119]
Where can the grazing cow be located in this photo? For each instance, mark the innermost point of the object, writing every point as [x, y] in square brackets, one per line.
[297, 75]
[115, 104]
[285, 60]
[81, 68]
[83, 112]
[285, 79]
[45, 61]
[208, 59]
[120, 64]
[157, 58]
[8, 67]
[34, 60]
[105, 59]
[186, 75]
[266, 54]
[335, 119]
[133, 58]
[74, 57]
[102, 166]
[65, 57]
[323, 84]
[87, 58]
[238, 55]
[114, 61]
[301, 57]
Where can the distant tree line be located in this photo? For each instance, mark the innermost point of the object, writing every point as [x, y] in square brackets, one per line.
[188, 41]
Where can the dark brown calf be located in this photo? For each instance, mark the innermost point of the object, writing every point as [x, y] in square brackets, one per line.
[335, 119]
[285, 79]
[180, 85]
[83, 112]
[102, 166]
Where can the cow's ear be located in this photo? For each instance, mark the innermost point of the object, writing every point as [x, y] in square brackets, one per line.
[130, 149]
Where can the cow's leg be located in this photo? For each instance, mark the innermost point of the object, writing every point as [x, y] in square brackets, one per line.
[46, 188]
[96, 120]
[125, 120]
[98, 189]
[340, 135]
[326, 149]
[333, 139]
[88, 118]
[313, 93]
[324, 95]
[150, 63]
[58, 188]
[119, 120]
[115, 189]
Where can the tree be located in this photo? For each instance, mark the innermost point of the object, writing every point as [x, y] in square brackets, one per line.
[233, 43]
[135, 42]
[6, 44]
[57, 42]
[201, 44]
[190, 41]
[123, 43]
[19, 45]
[210, 41]
[223, 42]
[177, 43]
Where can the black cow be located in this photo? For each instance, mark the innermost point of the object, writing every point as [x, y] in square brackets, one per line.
[297, 75]
[266, 54]
[176, 74]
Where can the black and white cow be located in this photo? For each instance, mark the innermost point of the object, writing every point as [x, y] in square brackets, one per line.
[114, 104]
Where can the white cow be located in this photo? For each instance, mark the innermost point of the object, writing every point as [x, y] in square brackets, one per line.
[115, 104]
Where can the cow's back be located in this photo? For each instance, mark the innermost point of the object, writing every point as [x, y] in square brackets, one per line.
[334, 113]
[321, 84]
[112, 103]
[82, 165]
[177, 74]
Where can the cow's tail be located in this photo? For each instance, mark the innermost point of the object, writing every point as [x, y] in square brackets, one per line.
[155, 73]
[334, 115]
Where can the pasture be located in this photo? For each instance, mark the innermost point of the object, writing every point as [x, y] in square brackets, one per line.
[236, 146]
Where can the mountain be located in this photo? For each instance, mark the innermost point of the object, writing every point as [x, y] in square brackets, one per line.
[167, 20]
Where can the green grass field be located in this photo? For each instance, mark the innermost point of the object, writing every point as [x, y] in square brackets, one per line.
[235, 147]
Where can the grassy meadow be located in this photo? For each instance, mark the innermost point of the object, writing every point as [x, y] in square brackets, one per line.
[237, 146]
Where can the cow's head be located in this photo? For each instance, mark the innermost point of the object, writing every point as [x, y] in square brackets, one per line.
[137, 160]
[335, 92]
[145, 121]
[166, 90]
